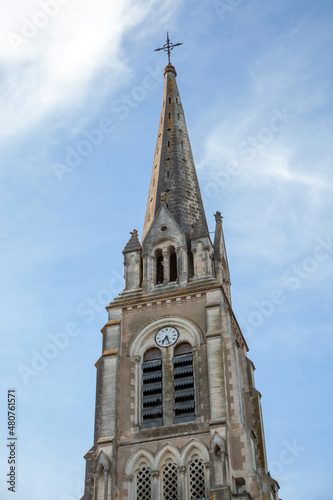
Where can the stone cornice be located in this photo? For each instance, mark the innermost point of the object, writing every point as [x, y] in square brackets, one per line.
[194, 289]
[179, 435]
[137, 297]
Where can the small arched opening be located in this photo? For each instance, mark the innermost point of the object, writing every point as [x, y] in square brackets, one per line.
[100, 483]
[159, 267]
[190, 264]
[218, 466]
[217, 451]
[173, 265]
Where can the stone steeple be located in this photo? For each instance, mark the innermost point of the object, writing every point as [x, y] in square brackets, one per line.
[177, 414]
[173, 174]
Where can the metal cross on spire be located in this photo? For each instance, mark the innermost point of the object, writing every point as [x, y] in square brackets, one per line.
[168, 47]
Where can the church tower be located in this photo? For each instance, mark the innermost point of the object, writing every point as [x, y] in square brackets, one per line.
[177, 414]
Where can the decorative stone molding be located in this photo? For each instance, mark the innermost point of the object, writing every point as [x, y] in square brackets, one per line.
[144, 338]
[218, 441]
[137, 457]
[110, 352]
[194, 446]
[102, 461]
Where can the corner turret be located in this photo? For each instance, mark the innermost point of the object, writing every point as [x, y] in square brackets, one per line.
[133, 262]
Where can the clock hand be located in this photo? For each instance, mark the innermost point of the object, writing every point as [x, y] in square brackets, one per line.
[166, 337]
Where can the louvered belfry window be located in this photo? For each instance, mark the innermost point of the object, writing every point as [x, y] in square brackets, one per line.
[152, 387]
[183, 384]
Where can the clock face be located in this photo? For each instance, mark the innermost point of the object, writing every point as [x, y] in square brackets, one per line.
[166, 336]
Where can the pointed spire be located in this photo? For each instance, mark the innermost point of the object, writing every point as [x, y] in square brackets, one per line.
[173, 169]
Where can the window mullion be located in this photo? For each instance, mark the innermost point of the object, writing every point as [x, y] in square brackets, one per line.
[167, 387]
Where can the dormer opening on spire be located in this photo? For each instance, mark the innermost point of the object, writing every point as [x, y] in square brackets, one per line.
[159, 267]
[166, 265]
[173, 264]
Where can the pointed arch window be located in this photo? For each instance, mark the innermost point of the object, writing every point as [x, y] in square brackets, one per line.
[190, 264]
[99, 482]
[152, 389]
[170, 481]
[143, 483]
[183, 384]
[159, 267]
[196, 473]
[173, 265]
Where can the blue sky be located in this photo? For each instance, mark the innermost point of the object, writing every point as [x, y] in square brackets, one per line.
[255, 79]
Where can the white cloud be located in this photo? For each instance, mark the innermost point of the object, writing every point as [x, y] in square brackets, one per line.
[275, 183]
[51, 68]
